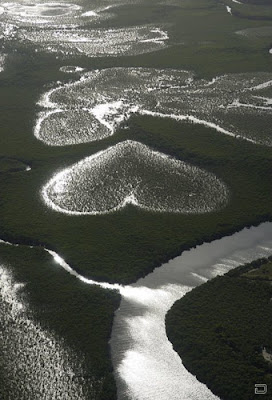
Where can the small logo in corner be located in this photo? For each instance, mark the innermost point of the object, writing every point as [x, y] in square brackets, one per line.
[260, 388]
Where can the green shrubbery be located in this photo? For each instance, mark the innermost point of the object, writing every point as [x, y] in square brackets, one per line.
[220, 329]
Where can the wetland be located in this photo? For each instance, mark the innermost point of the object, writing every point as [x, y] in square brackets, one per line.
[130, 134]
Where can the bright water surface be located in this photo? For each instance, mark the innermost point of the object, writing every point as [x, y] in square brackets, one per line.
[146, 366]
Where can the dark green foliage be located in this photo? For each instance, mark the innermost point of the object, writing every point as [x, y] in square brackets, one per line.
[220, 329]
[127, 245]
[78, 313]
[123, 246]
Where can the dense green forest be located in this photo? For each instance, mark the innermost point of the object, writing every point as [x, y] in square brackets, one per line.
[128, 244]
[79, 316]
[123, 246]
[222, 331]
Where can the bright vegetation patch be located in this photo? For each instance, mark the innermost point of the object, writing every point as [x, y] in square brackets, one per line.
[98, 42]
[97, 245]
[66, 127]
[132, 173]
[23, 342]
[222, 331]
[50, 316]
[51, 27]
[95, 105]
[2, 62]
[122, 246]
[201, 36]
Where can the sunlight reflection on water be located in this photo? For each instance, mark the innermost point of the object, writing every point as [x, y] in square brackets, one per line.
[146, 366]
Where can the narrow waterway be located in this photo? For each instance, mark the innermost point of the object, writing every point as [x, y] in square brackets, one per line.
[146, 366]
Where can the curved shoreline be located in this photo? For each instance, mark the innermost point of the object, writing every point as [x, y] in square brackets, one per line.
[125, 291]
[145, 364]
[229, 315]
[10, 239]
[141, 372]
[60, 261]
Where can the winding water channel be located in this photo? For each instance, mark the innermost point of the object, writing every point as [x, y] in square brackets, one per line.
[145, 364]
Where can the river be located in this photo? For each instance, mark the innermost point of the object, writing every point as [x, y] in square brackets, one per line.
[146, 366]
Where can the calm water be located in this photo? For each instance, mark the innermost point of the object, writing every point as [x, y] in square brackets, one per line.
[146, 366]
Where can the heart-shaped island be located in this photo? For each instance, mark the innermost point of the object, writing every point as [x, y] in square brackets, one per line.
[132, 173]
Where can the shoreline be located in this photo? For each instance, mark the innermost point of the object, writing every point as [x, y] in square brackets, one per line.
[204, 240]
[216, 317]
[139, 323]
